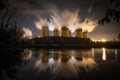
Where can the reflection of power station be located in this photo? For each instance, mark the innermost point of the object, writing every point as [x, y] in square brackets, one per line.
[44, 32]
[44, 56]
[55, 32]
[79, 33]
[65, 56]
[65, 32]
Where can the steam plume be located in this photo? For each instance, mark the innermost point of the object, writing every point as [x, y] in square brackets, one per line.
[67, 18]
[27, 33]
[88, 24]
[41, 22]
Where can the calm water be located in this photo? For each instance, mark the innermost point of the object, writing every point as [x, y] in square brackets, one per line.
[68, 64]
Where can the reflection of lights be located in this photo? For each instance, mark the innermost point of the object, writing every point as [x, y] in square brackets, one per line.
[88, 63]
[92, 52]
[104, 54]
[116, 54]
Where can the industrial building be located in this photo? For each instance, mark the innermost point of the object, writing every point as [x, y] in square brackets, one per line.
[65, 32]
[44, 32]
[85, 34]
[55, 32]
[79, 33]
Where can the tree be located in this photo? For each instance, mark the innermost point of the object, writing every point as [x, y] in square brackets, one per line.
[3, 4]
[10, 34]
[112, 13]
[119, 36]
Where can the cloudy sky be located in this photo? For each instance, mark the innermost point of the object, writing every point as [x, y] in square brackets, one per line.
[31, 11]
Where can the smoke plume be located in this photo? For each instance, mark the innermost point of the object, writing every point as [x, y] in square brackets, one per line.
[71, 19]
[88, 24]
[27, 33]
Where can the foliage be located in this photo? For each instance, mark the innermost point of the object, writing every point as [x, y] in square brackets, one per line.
[10, 34]
[112, 13]
[10, 38]
[119, 36]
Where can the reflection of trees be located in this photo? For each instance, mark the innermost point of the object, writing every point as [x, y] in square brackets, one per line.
[9, 60]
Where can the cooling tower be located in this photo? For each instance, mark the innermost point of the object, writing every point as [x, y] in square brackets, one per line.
[85, 34]
[79, 33]
[65, 32]
[55, 33]
[44, 32]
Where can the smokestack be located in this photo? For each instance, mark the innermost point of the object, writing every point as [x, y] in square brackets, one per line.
[44, 32]
[65, 32]
[55, 32]
[85, 34]
[79, 33]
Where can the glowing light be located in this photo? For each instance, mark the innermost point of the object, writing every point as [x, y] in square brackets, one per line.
[92, 52]
[104, 54]
[103, 40]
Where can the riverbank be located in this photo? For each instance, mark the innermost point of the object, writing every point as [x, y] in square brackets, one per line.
[72, 42]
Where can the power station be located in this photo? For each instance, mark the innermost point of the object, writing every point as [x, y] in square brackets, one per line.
[44, 32]
[79, 33]
[64, 32]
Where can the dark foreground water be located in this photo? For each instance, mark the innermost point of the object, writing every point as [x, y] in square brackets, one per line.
[68, 64]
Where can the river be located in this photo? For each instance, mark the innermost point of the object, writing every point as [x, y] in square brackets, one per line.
[69, 64]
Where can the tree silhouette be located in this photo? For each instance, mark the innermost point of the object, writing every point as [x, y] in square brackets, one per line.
[3, 4]
[119, 36]
[112, 13]
[10, 34]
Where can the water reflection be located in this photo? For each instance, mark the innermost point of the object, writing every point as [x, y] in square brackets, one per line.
[42, 62]
[92, 52]
[104, 54]
[116, 54]
[26, 54]
[65, 63]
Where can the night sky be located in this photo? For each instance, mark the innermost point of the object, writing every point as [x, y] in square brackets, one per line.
[30, 10]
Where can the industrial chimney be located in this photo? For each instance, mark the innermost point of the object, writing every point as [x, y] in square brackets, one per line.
[65, 32]
[79, 33]
[85, 34]
[44, 32]
[55, 32]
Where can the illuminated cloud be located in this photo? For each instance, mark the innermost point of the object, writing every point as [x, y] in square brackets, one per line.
[66, 18]
[27, 33]
[88, 24]
[41, 22]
